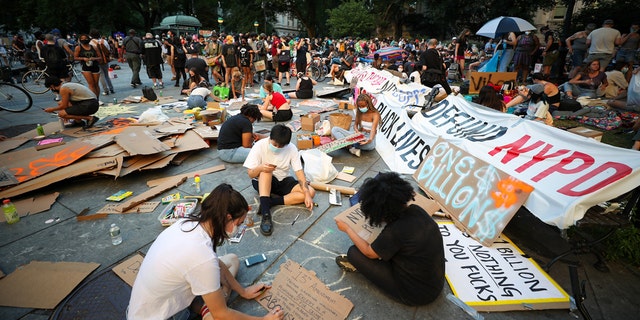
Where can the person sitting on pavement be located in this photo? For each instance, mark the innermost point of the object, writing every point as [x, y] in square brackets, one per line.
[268, 165]
[587, 83]
[236, 135]
[304, 87]
[490, 99]
[367, 121]
[276, 87]
[182, 276]
[77, 102]
[406, 261]
[237, 84]
[625, 102]
[346, 63]
[275, 107]
[195, 80]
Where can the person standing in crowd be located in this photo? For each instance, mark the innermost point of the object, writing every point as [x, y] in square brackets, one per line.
[133, 48]
[261, 54]
[304, 87]
[550, 53]
[629, 45]
[268, 165]
[152, 51]
[168, 44]
[302, 48]
[406, 261]
[77, 103]
[193, 280]
[55, 59]
[246, 55]
[275, 44]
[366, 122]
[236, 134]
[588, 82]
[433, 67]
[229, 58]
[62, 43]
[275, 107]
[461, 48]
[105, 51]
[506, 49]
[179, 56]
[577, 46]
[213, 52]
[284, 63]
[89, 58]
[602, 43]
[527, 45]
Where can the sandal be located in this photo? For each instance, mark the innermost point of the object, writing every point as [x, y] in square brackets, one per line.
[344, 264]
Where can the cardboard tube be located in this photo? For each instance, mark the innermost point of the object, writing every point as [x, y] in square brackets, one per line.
[326, 187]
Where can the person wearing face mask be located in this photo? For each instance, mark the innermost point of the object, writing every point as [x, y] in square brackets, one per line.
[193, 279]
[268, 165]
[89, 57]
[367, 120]
[527, 45]
[77, 103]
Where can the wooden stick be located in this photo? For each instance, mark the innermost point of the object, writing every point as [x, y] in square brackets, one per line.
[327, 187]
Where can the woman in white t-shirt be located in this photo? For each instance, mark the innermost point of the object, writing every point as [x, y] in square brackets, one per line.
[182, 264]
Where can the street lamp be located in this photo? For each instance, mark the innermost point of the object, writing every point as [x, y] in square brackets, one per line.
[220, 21]
[255, 25]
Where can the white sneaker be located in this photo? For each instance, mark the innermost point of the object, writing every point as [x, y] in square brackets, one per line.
[355, 151]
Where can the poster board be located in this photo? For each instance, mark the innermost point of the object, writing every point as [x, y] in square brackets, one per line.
[497, 278]
[128, 269]
[356, 220]
[303, 296]
[474, 193]
[481, 79]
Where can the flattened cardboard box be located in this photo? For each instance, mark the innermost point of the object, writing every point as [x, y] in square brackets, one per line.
[140, 140]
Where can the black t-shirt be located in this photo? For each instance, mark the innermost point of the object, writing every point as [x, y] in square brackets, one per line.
[152, 52]
[554, 41]
[229, 55]
[245, 55]
[199, 64]
[431, 58]
[54, 56]
[413, 246]
[230, 136]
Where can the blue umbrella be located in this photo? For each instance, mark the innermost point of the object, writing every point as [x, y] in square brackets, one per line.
[499, 26]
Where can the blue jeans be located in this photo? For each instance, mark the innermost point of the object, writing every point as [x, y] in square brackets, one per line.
[182, 315]
[105, 81]
[237, 155]
[196, 101]
[577, 91]
[340, 133]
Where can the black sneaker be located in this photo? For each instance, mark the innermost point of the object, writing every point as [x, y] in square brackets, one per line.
[344, 263]
[266, 225]
[134, 85]
[91, 122]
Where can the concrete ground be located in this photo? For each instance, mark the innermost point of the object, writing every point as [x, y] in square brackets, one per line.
[313, 241]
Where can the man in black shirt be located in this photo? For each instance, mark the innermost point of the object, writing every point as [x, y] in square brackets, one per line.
[433, 67]
[153, 59]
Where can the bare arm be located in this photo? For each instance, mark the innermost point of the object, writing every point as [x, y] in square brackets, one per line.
[360, 243]
[302, 181]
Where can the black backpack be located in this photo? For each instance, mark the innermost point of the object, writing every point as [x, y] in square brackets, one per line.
[149, 94]
[53, 55]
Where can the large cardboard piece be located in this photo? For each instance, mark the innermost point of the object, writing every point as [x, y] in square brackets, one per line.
[156, 190]
[474, 193]
[499, 277]
[481, 79]
[140, 140]
[303, 296]
[128, 270]
[356, 220]
[155, 182]
[42, 284]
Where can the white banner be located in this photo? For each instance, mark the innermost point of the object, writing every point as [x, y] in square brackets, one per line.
[570, 173]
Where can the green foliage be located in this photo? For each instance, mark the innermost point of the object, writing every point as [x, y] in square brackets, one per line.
[350, 19]
[618, 10]
[625, 244]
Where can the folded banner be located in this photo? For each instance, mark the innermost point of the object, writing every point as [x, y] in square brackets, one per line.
[569, 173]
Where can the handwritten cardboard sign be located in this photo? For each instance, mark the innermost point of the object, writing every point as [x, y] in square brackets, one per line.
[476, 194]
[497, 278]
[481, 79]
[303, 296]
[355, 219]
[128, 269]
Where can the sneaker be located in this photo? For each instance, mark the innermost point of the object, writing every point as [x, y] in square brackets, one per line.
[106, 93]
[287, 84]
[355, 151]
[74, 124]
[173, 78]
[344, 263]
[91, 122]
[112, 92]
[266, 225]
[155, 86]
[57, 97]
[100, 103]
[161, 86]
[133, 85]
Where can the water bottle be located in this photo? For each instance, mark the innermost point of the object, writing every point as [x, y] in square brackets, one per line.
[114, 232]
[196, 181]
[40, 130]
[160, 93]
[10, 212]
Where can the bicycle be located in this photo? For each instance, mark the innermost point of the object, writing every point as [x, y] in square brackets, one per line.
[319, 69]
[14, 98]
[33, 80]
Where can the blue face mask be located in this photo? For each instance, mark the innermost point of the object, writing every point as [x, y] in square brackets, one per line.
[274, 149]
[363, 110]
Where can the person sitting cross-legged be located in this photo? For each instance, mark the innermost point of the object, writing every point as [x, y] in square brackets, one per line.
[268, 165]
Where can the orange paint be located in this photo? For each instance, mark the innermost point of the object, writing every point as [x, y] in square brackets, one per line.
[508, 190]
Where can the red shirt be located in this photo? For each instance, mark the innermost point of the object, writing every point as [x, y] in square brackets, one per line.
[277, 100]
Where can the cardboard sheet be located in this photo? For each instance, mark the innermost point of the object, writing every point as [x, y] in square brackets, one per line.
[168, 184]
[140, 140]
[7, 178]
[42, 284]
[33, 205]
[303, 296]
[10, 144]
[155, 182]
[144, 207]
[128, 270]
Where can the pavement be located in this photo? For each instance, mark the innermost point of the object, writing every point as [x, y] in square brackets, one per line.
[313, 241]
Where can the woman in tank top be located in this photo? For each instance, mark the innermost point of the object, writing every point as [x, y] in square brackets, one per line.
[367, 120]
[304, 87]
[89, 57]
[276, 107]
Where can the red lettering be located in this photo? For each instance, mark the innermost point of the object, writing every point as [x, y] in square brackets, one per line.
[515, 148]
[621, 171]
[541, 157]
[562, 166]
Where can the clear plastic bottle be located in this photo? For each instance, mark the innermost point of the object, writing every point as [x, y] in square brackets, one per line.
[114, 232]
[40, 130]
[10, 212]
[196, 182]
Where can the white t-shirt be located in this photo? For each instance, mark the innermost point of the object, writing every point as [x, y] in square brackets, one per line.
[603, 40]
[288, 158]
[179, 266]
[200, 91]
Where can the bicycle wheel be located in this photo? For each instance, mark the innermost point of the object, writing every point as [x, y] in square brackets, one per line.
[323, 73]
[33, 81]
[315, 73]
[14, 98]
[75, 75]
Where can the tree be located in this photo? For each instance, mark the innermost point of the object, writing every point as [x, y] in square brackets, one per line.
[618, 10]
[350, 19]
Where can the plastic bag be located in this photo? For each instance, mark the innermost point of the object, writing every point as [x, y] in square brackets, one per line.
[153, 114]
[633, 91]
[491, 65]
[323, 128]
[318, 166]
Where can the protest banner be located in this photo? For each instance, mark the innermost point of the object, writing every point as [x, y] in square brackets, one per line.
[497, 278]
[480, 79]
[570, 173]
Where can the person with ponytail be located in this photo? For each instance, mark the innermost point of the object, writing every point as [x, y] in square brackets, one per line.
[182, 274]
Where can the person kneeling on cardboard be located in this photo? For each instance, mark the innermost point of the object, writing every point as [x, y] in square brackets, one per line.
[77, 102]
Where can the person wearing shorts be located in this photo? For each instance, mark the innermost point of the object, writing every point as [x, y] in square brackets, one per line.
[268, 165]
[77, 103]
[275, 107]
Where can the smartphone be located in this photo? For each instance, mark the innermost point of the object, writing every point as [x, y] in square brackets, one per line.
[253, 260]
